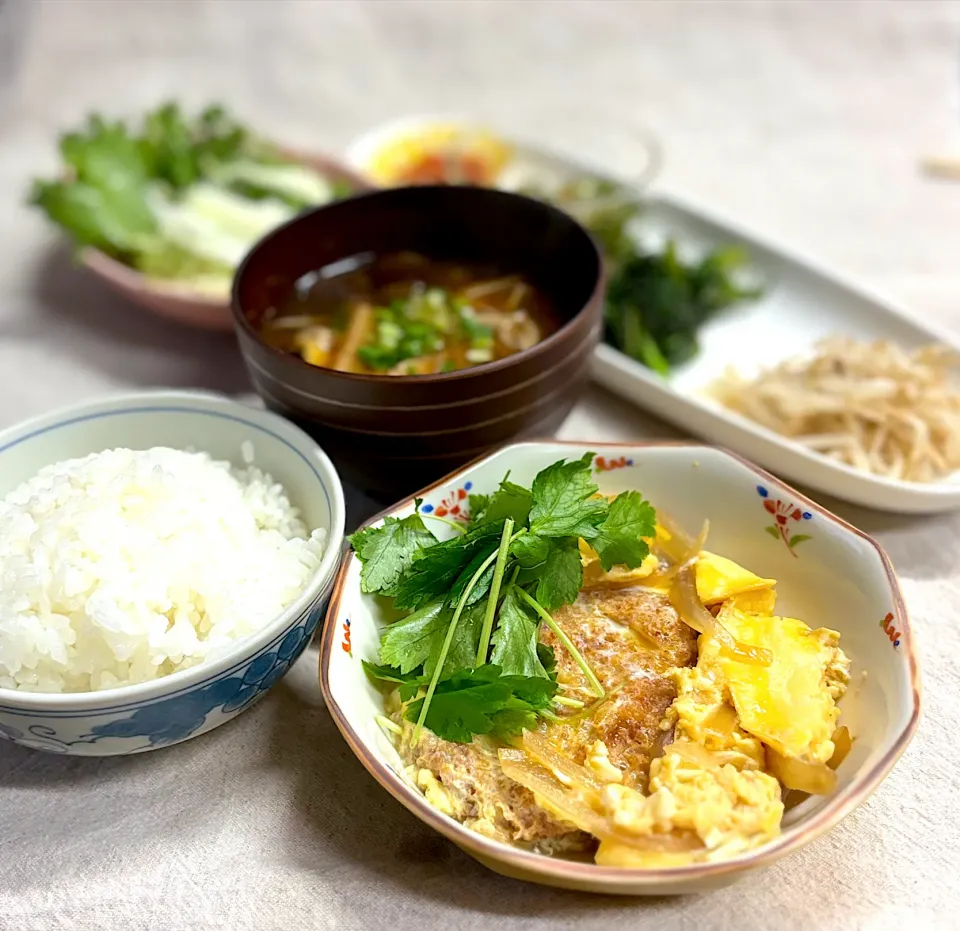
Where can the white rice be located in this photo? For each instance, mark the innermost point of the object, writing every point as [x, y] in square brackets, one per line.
[125, 566]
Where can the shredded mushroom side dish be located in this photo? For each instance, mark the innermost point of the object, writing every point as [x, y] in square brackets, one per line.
[874, 406]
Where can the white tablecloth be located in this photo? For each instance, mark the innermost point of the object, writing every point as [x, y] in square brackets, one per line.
[804, 120]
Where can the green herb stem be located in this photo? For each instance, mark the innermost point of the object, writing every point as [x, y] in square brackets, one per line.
[583, 713]
[388, 725]
[443, 520]
[565, 642]
[448, 640]
[568, 702]
[487, 629]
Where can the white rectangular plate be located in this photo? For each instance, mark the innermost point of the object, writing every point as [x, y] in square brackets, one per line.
[802, 303]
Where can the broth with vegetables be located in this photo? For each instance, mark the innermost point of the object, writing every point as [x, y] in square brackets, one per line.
[407, 314]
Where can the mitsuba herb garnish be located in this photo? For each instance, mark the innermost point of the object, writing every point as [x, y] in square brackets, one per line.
[467, 657]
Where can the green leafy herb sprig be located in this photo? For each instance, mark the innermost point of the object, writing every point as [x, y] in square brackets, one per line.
[467, 657]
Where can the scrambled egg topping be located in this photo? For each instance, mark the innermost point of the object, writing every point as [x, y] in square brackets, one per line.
[719, 579]
[710, 795]
[755, 602]
[594, 574]
[433, 791]
[790, 704]
[710, 786]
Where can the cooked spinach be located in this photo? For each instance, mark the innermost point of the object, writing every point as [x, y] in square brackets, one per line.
[656, 302]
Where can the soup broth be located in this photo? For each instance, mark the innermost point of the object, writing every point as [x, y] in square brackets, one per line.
[407, 314]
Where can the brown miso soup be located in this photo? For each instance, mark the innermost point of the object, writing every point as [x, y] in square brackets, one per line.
[407, 314]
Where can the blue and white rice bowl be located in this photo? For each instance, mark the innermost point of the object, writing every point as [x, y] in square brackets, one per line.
[166, 710]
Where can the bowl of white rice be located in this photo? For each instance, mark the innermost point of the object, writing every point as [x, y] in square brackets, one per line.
[165, 557]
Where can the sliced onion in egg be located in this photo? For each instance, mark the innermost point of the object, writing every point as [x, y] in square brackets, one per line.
[812, 778]
[686, 601]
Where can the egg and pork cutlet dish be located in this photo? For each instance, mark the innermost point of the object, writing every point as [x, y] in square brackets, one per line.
[575, 675]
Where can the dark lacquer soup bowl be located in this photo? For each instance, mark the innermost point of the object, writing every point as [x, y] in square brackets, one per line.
[390, 434]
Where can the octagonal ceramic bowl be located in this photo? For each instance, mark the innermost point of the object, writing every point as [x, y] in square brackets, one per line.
[827, 572]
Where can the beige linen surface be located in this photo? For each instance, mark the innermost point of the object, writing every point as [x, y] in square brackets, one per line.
[805, 120]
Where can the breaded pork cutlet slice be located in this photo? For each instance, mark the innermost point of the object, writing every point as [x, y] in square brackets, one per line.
[630, 638]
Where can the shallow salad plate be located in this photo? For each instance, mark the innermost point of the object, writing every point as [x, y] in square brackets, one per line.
[802, 303]
[827, 573]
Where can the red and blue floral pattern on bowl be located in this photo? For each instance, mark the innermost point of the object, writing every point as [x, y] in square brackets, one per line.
[609, 463]
[455, 505]
[783, 512]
